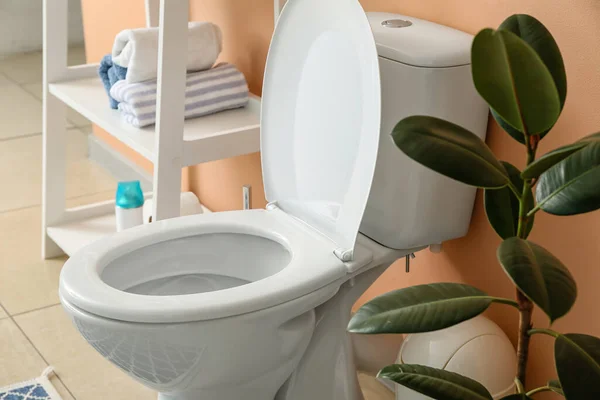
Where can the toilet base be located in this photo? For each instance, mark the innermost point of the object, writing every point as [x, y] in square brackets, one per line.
[327, 370]
[263, 389]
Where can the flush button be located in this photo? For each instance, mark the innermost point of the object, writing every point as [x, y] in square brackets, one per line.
[396, 23]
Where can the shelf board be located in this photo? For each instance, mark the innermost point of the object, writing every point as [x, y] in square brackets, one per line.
[213, 137]
[72, 236]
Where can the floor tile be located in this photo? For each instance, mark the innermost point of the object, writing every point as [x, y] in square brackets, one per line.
[372, 389]
[73, 116]
[26, 281]
[86, 373]
[20, 112]
[19, 359]
[27, 67]
[4, 80]
[2, 313]
[21, 167]
[23, 68]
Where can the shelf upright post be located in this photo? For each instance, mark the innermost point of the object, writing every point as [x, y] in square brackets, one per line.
[55, 39]
[172, 60]
[152, 13]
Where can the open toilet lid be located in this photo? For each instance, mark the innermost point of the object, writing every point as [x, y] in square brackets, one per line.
[321, 114]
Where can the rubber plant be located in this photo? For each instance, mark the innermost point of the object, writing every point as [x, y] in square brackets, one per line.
[519, 72]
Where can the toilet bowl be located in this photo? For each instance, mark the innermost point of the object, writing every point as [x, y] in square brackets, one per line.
[217, 306]
[254, 304]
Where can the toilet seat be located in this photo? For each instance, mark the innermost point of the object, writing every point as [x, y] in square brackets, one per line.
[312, 265]
[321, 116]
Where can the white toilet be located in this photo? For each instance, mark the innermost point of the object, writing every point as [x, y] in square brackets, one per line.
[254, 304]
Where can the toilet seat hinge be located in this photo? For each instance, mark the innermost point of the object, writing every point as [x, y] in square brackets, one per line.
[344, 254]
[272, 206]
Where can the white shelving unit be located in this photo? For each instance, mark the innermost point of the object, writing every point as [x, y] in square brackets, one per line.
[173, 143]
[209, 138]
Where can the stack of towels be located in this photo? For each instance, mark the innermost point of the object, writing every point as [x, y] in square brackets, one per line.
[129, 75]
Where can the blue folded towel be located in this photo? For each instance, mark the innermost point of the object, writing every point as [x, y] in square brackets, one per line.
[110, 74]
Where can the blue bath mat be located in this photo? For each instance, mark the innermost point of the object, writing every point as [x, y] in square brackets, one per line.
[35, 389]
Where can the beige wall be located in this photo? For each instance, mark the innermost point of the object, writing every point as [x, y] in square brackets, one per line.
[247, 26]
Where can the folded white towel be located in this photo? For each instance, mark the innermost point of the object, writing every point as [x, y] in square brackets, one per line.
[206, 92]
[137, 50]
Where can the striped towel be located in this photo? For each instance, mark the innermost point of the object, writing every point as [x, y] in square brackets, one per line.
[206, 92]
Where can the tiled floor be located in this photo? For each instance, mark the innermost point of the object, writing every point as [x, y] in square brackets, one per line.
[34, 331]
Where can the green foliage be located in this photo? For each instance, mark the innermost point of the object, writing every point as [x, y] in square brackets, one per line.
[436, 383]
[535, 34]
[450, 150]
[572, 186]
[556, 387]
[577, 359]
[422, 308]
[502, 205]
[539, 275]
[539, 38]
[514, 81]
[519, 71]
[547, 161]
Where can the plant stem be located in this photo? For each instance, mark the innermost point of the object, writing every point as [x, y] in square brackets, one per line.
[523, 218]
[539, 390]
[542, 331]
[525, 312]
[514, 189]
[519, 385]
[525, 305]
[508, 302]
[534, 210]
[531, 144]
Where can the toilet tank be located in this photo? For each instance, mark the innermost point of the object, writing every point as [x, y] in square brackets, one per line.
[425, 70]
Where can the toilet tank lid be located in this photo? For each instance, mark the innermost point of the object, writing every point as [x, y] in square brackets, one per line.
[419, 43]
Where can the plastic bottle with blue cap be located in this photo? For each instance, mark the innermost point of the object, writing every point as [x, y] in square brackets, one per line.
[129, 204]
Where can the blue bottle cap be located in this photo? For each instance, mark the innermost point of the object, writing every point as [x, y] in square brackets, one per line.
[129, 195]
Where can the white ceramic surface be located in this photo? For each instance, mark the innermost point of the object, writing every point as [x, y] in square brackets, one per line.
[409, 204]
[250, 355]
[321, 114]
[422, 43]
[186, 246]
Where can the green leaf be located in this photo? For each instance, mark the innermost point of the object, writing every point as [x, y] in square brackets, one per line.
[502, 206]
[518, 136]
[539, 275]
[422, 308]
[552, 158]
[577, 359]
[572, 186]
[520, 396]
[548, 160]
[514, 81]
[556, 387]
[535, 34]
[435, 383]
[593, 138]
[450, 150]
